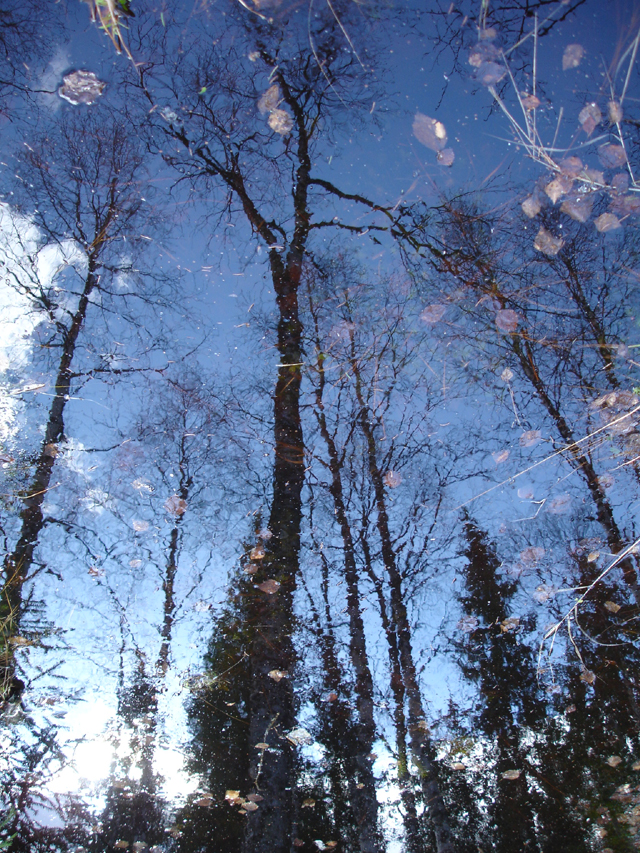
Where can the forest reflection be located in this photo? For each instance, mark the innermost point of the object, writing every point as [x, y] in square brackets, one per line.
[372, 586]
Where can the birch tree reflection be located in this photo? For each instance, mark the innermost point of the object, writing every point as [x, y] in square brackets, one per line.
[81, 186]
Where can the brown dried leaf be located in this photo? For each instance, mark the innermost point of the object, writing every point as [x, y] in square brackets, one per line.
[250, 807]
[590, 117]
[614, 760]
[612, 156]
[547, 243]
[572, 56]
[278, 674]
[261, 745]
[458, 765]
[392, 479]
[507, 320]
[490, 73]
[512, 774]
[175, 505]
[446, 157]
[529, 438]
[531, 555]
[257, 553]
[530, 102]
[571, 166]
[429, 131]
[531, 207]
[308, 804]
[615, 112]
[204, 801]
[611, 606]
[270, 99]
[607, 222]
[578, 207]
[509, 624]
[593, 556]
[558, 187]
[270, 586]
[587, 676]
[281, 122]
[298, 842]
[500, 456]
[232, 796]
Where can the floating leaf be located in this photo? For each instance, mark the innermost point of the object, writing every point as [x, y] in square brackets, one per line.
[509, 624]
[506, 375]
[587, 676]
[121, 845]
[140, 526]
[298, 842]
[458, 765]
[532, 554]
[332, 697]
[529, 438]
[281, 122]
[507, 320]
[265, 534]
[483, 52]
[232, 796]
[612, 156]
[81, 87]
[255, 798]
[525, 493]
[558, 187]
[636, 766]
[51, 450]
[262, 746]
[544, 593]
[392, 479]
[512, 774]
[626, 205]
[593, 556]
[590, 117]
[270, 99]
[251, 807]
[203, 90]
[500, 456]
[531, 206]
[278, 674]
[433, 313]
[175, 505]
[620, 182]
[257, 553]
[547, 243]
[490, 73]
[578, 207]
[614, 760]
[611, 606]
[530, 102]
[446, 157]
[135, 564]
[572, 56]
[204, 801]
[467, 624]
[299, 736]
[308, 804]
[571, 166]
[560, 505]
[430, 132]
[270, 586]
[615, 112]
[607, 222]
[570, 709]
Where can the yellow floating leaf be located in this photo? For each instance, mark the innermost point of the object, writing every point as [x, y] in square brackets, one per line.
[278, 674]
[614, 760]
[511, 774]
[611, 606]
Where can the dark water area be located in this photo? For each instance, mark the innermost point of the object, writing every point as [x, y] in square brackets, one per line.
[320, 426]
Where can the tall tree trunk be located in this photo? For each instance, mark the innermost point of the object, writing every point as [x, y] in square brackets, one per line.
[18, 563]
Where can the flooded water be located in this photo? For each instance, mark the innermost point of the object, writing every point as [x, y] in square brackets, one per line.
[320, 426]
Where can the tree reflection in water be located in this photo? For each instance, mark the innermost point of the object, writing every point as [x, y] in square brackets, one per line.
[326, 574]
